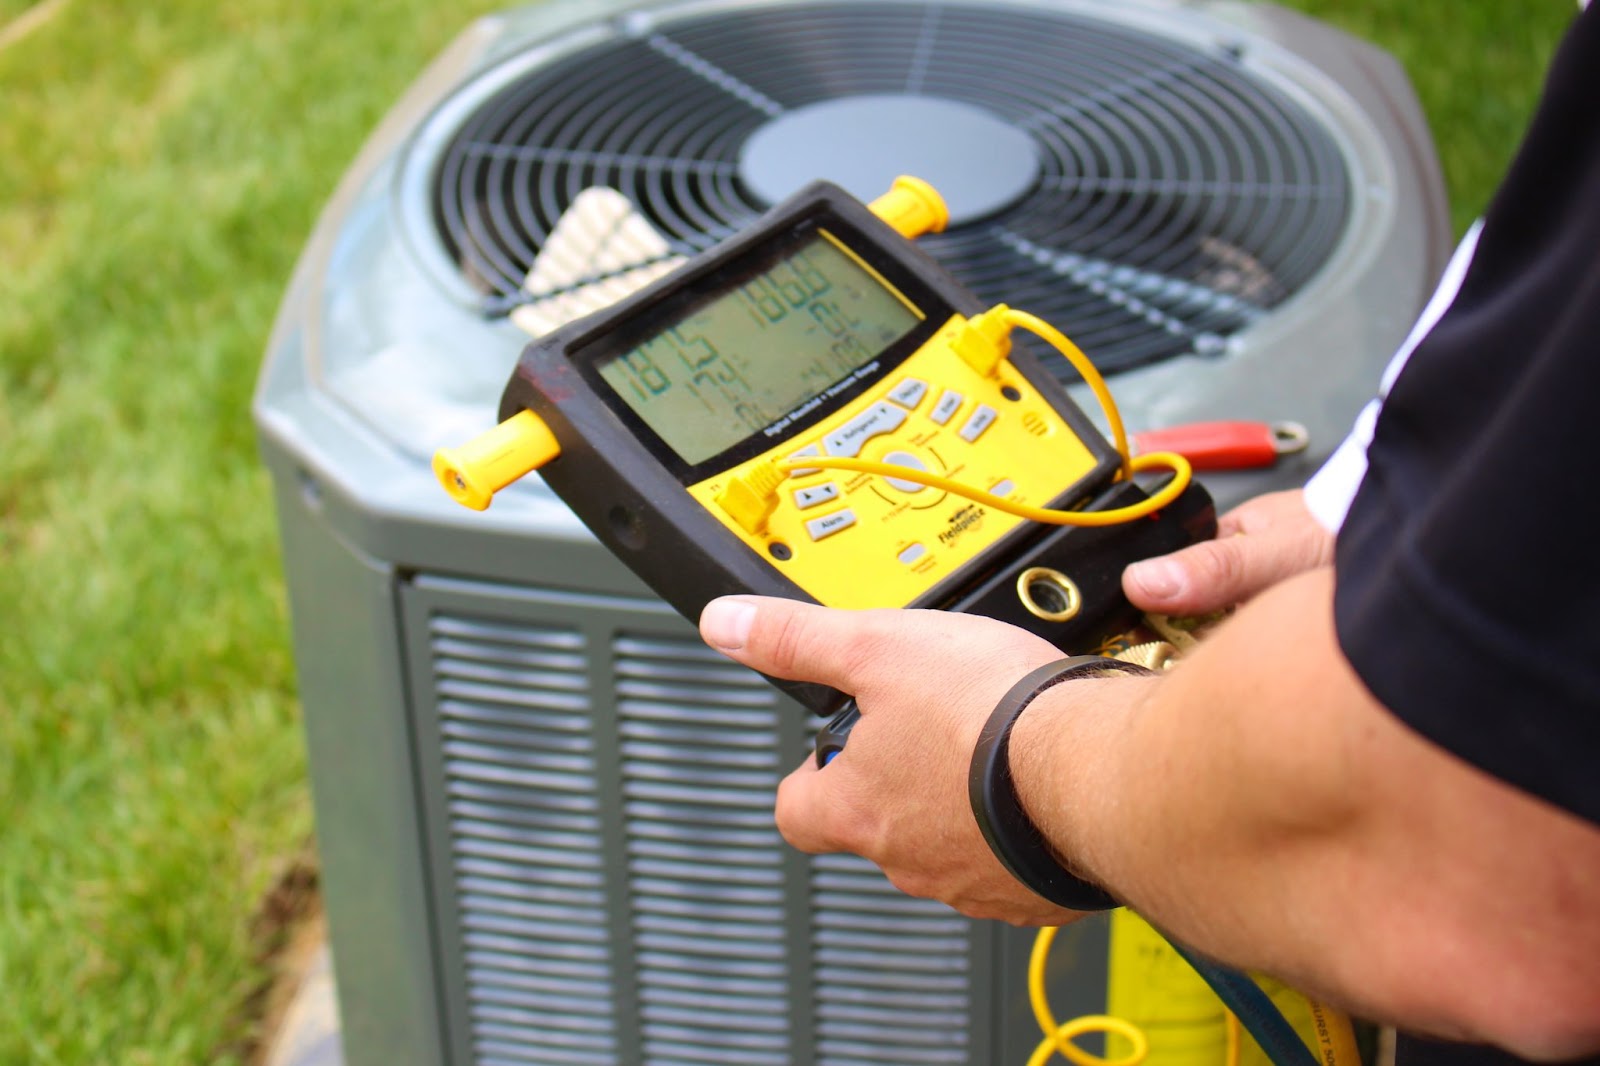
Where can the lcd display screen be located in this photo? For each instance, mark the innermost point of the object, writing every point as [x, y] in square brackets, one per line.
[747, 358]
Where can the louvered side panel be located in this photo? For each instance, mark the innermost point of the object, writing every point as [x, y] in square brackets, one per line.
[525, 838]
[893, 974]
[700, 765]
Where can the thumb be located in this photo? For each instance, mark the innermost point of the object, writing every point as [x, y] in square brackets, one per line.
[786, 638]
[1209, 576]
[1281, 538]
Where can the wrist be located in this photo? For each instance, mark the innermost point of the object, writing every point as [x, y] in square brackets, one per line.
[1014, 838]
[1067, 767]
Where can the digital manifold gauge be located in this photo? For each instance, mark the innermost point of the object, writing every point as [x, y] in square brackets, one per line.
[815, 409]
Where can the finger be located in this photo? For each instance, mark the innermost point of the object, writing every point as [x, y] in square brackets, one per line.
[789, 639]
[801, 811]
[1232, 524]
[1274, 510]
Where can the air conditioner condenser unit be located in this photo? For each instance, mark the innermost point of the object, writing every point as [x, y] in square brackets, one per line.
[543, 807]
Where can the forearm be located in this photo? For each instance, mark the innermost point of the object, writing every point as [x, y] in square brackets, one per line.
[1259, 805]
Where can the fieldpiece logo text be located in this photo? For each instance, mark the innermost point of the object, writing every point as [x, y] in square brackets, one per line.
[969, 517]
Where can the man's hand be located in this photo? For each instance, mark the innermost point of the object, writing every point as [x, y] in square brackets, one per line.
[925, 682]
[1259, 543]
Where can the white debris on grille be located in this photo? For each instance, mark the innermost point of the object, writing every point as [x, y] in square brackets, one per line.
[601, 250]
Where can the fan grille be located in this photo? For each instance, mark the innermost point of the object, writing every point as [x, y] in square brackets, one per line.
[1180, 196]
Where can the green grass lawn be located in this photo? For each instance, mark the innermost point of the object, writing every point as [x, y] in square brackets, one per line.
[160, 166]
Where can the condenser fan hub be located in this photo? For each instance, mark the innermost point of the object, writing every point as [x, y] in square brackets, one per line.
[980, 164]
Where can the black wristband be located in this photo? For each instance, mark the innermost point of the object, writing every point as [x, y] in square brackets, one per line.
[1011, 834]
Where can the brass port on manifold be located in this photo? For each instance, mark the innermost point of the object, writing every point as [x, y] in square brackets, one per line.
[1049, 594]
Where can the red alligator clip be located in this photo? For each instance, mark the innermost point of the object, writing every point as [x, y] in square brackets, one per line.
[1226, 445]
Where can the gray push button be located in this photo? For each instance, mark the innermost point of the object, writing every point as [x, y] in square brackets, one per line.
[905, 459]
[810, 449]
[1004, 488]
[829, 524]
[980, 421]
[816, 494]
[877, 420]
[912, 554]
[909, 393]
[949, 403]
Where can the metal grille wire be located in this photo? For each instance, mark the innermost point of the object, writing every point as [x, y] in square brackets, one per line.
[707, 889]
[892, 972]
[1181, 195]
[700, 764]
[526, 841]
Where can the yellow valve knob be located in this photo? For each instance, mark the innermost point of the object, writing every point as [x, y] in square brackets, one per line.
[912, 207]
[475, 471]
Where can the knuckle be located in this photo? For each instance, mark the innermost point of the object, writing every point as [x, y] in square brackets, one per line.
[790, 828]
[1317, 545]
[815, 643]
[784, 809]
[911, 883]
[1260, 514]
[863, 833]
[784, 637]
[872, 635]
[795, 823]
[833, 826]
[1219, 563]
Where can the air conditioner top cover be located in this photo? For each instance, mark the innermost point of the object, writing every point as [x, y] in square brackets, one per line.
[1233, 209]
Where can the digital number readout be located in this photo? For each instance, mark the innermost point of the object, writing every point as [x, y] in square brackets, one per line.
[744, 360]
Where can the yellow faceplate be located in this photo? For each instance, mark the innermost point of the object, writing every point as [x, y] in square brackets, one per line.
[855, 540]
